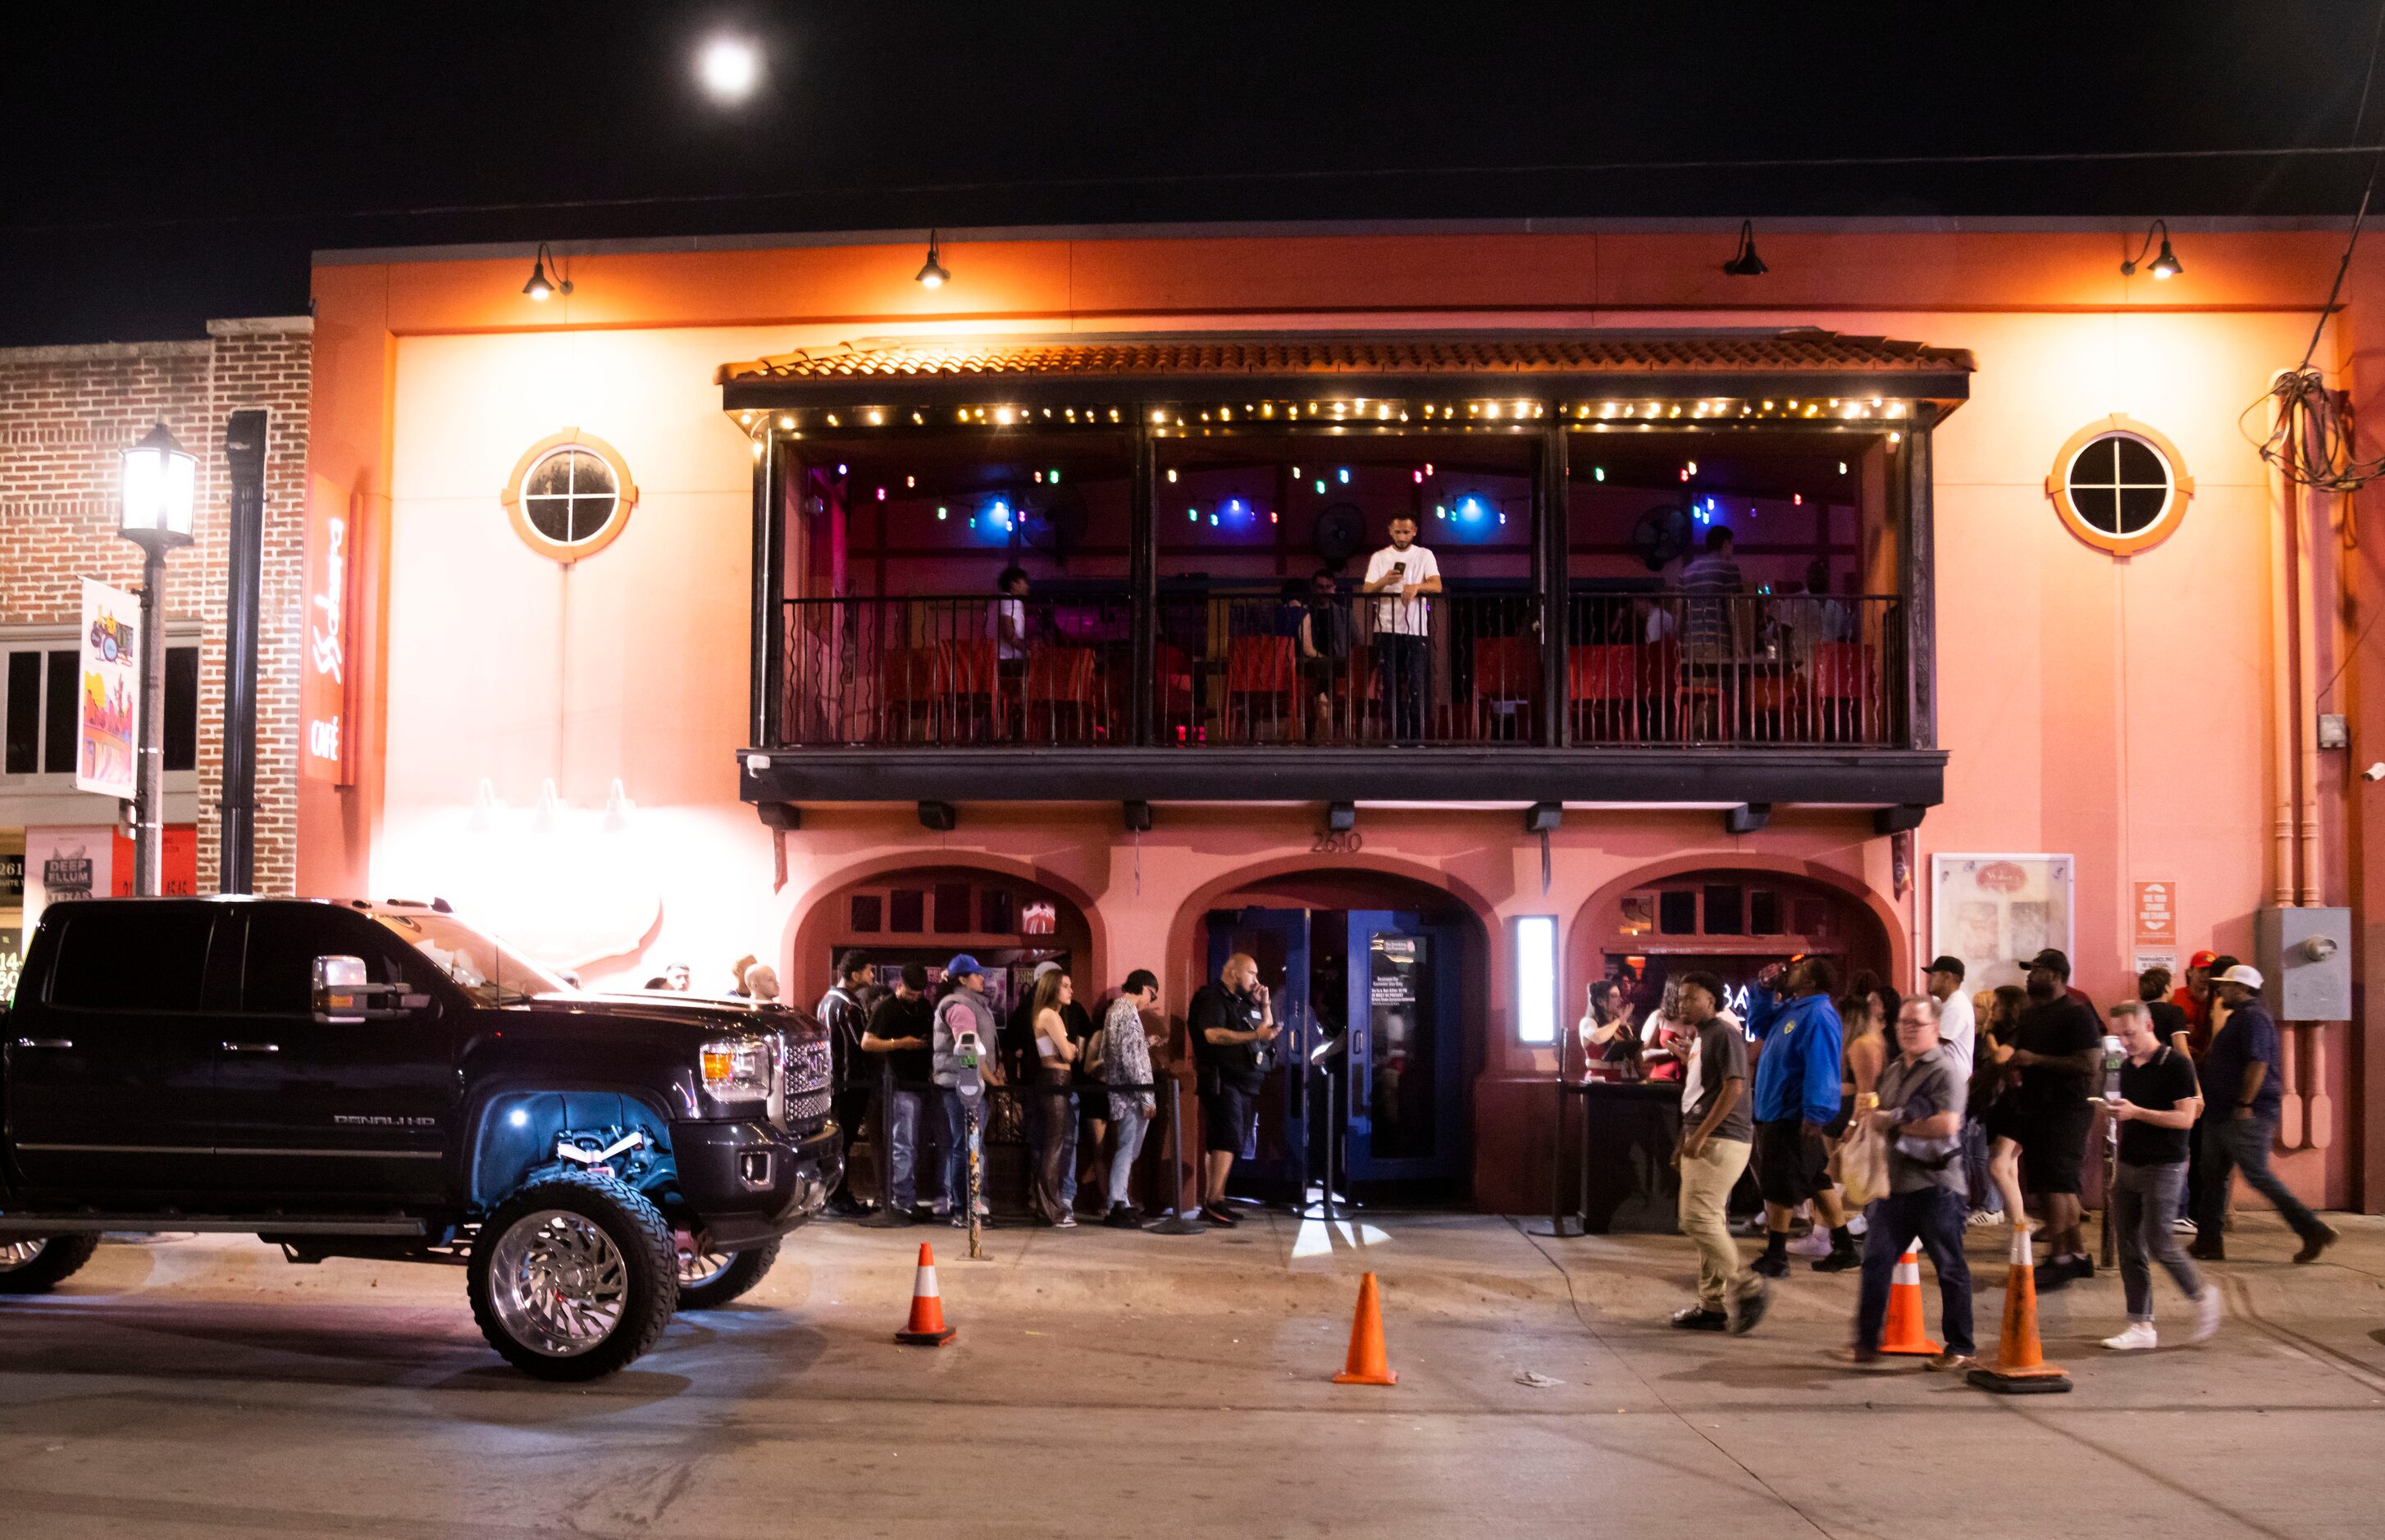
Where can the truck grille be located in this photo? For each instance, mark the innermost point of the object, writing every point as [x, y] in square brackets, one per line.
[809, 1068]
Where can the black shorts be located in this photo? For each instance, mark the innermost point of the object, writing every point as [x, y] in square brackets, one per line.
[2054, 1147]
[1227, 1115]
[1791, 1164]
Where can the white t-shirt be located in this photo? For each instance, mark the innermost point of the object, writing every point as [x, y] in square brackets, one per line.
[1403, 615]
[1958, 1029]
[1015, 612]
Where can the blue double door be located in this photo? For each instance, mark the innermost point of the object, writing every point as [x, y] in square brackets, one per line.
[1388, 987]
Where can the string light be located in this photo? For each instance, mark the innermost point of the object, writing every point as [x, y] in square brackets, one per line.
[1598, 473]
[1345, 476]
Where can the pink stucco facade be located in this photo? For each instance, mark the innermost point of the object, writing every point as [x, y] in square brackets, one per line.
[2121, 710]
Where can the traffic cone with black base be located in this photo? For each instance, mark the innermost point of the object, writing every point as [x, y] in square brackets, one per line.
[927, 1328]
[1367, 1363]
[2021, 1368]
[1902, 1333]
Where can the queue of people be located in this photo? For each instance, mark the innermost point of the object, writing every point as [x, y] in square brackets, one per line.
[1949, 1111]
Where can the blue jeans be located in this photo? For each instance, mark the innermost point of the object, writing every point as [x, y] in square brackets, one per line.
[2144, 1201]
[2233, 1144]
[1935, 1216]
[1984, 1195]
[1130, 1130]
[903, 1147]
[961, 1114]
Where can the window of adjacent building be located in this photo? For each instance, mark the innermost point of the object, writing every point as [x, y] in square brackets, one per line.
[569, 495]
[40, 710]
[2120, 485]
[906, 910]
[1676, 913]
[1725, 909]
[868, 911]
[952, 908]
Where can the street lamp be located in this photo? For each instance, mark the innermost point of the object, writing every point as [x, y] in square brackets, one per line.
[160, 487]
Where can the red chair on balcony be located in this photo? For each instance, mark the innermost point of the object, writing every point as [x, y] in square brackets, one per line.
[1506, 687]
[1260, 669]
[1061, 679]
[1604, 690]
[907, 697]
[968, 688]
[1844, 688]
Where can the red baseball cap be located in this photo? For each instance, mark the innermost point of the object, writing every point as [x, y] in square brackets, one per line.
[2203, 960]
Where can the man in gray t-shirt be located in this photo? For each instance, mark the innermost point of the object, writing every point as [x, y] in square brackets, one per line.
[1716, 1134]
[1920, 1114]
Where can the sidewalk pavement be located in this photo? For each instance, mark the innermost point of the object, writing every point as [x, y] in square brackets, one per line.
[1118, 1383]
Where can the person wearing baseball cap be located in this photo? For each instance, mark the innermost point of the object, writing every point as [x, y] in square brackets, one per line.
[2243, 1078]
[963, 1008]
[2193, 997]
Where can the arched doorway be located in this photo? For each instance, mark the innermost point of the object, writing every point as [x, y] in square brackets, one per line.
[1728, 920]
[927, 913]
[1378, 979]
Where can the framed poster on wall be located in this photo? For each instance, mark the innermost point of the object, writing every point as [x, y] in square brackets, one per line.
[1990, 911]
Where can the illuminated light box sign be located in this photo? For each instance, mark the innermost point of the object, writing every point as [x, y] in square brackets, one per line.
[85, 861]
[326, 752]
[107, 697]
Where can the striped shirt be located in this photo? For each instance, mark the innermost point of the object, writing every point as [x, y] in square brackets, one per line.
[1705, 581]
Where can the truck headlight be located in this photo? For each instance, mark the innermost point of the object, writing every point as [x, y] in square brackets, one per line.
[739, 1069]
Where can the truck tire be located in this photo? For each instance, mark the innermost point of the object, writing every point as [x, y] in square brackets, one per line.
[36, 1264]
[708, 1280]
[573, 1278]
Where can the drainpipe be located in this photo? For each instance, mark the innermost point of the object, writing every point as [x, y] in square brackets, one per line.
[2281, 693]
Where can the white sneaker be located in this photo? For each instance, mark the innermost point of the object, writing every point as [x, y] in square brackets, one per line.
[1983, 1217]
[2136, 1339]
[2181, 1226]
[2207, 1311]
[1857, 1224]
[1815, 1242]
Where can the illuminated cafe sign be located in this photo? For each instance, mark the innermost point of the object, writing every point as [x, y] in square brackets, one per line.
[325, 750]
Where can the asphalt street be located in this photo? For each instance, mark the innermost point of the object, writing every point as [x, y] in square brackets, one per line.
[1107, 1383]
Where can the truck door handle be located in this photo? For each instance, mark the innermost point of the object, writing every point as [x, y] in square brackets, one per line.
[46, 1042]
[252, 1048]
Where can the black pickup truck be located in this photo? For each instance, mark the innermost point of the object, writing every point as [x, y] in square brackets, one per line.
[355, 1079]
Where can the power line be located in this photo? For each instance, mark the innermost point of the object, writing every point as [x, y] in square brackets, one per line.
[1217, 178]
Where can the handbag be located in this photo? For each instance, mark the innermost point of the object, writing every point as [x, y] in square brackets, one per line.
[1862, 1162]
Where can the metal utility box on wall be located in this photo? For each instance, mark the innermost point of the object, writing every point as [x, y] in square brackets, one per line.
[2305, 955]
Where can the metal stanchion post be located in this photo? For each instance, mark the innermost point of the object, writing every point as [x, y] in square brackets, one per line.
[888, 1217]
[1178, 1221]
[1561, 1225]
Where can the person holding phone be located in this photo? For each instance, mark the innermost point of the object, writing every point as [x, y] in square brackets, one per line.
[1404, 574]
[1232, 1022]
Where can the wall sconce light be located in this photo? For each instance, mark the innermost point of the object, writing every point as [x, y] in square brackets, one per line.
[932, 274]
[2165, 264]
[1746, 263]
[538, 288]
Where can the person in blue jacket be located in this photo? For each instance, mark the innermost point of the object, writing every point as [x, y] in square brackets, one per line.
[1797, 1103]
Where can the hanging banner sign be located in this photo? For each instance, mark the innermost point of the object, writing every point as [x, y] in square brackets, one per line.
[325, 750]
[107, 699]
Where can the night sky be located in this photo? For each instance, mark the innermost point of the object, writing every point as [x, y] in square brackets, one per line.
[163, 168]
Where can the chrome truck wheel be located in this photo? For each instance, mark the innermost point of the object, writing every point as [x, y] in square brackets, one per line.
[573, 1276]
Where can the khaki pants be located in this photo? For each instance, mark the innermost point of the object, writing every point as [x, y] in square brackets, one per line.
[1706, 1181]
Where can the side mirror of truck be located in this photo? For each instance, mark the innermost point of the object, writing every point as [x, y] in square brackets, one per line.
[343, 994]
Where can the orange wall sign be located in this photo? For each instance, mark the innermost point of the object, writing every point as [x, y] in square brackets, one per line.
[326, 750]
[2156, 908]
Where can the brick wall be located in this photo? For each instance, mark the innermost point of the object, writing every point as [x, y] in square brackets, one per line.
[66, 414]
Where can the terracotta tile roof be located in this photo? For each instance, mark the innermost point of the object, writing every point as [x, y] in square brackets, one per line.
[1800, 352]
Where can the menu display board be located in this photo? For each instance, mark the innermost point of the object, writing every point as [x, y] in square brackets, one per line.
[1994, 911]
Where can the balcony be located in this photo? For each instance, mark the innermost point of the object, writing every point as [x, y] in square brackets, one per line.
[1710, 698]
[1071, 569]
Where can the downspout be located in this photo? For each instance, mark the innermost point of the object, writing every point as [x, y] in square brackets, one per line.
[2281, 694]
[2316, 1114]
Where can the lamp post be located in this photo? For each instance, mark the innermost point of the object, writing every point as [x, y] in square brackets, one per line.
[160, 487]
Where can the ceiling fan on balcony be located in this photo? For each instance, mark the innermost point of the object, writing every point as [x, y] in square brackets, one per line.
[1662, 536]
[1056, 527]
[1341, 532]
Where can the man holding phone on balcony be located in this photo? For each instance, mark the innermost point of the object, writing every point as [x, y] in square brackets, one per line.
[1406, 573]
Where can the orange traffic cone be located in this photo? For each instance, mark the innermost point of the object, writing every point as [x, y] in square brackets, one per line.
[1903, 1332]
[927, 1328]
[2021, 1368]
[1367, 1363]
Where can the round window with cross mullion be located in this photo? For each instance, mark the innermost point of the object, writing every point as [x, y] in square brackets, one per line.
[2120, 485]
[569, 496]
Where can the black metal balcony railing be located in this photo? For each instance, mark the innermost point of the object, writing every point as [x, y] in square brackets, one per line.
[1344, 671]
